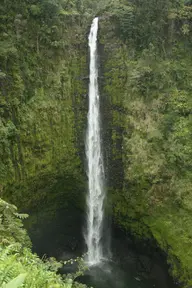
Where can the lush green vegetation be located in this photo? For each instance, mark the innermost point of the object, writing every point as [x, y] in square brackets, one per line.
[148, 75]
[43, 58]
[37, 70]
[18, 266]
[147, 70]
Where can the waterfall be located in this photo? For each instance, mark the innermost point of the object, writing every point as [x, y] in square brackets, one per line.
[96, 193]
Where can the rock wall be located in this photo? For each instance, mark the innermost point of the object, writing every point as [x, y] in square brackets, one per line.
[43, 107]
[143, 135]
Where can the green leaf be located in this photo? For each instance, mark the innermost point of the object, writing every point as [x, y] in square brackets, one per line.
[16, 282]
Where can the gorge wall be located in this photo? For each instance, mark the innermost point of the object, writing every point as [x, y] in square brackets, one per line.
[145, 86]
[147, 103]
[43, 106]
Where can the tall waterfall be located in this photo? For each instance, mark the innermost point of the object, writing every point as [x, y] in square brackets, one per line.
[96, 194]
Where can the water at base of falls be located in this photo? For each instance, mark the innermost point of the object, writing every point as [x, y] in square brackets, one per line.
[112, 275]
[128, 269]
[96, 191]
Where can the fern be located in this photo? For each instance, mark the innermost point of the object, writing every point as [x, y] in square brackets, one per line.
[11, 224]
[16, 282]
[19, 267]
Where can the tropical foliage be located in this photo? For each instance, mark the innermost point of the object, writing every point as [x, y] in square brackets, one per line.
[147, 75]
[148, 78]
[18, 266]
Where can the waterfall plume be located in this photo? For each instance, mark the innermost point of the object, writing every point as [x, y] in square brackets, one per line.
[96, 191]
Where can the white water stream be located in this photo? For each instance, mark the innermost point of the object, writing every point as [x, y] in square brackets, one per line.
[96, 192]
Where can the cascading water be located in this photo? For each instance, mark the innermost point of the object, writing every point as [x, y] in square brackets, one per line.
[96, 193]
[123, 271]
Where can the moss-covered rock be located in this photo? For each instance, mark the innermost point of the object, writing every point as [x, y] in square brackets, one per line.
[150, 140]
[43, 106]
[43, 103]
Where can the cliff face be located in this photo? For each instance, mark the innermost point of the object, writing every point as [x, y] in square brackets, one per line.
[147, 94]
[43, 106]
[145, 86]
[43, 101]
